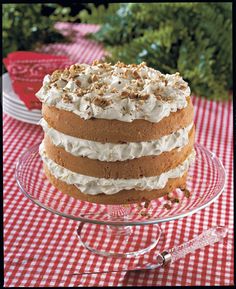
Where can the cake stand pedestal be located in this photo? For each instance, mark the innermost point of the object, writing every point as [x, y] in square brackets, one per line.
[123, 230]
[118, 240]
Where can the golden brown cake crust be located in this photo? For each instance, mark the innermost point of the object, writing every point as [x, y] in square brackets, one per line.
[122, 197]
[130, 169]
[114, 131]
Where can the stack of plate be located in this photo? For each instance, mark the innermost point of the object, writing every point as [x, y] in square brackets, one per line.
[16, 108]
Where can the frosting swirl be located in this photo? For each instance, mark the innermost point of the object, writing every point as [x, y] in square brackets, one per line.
[122, 92]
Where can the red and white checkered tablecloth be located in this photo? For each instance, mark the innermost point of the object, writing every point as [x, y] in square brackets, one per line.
[42, 249]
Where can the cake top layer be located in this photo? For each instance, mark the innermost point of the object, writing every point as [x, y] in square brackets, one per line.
[120, 91]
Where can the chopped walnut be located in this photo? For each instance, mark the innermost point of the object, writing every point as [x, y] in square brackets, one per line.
[132, 65]
[136, 75]
[106, 66]
[186, 193]
[55, 85]
[78, 82]
[140, 83]
[96, 61]
[159, 97]
[96, 85]
[158, 91]
[56, 75]
[143, 96]
[94, 78]
[120, 64]
[147, 204]
[145, 214]
[102, 102]
[80, 92]
[125, 94]
[65, 75]
[167, 206]
[168, 98]
[100, 92]
[174, 200]
[133, 95]
[182, 86]
[126, 74]
[101, 65]
[66, 98]
[114, 90]
[75, 70]
[142, 64]
[162, 78]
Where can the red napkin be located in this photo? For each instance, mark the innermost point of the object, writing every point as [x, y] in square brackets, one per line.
[27, 70]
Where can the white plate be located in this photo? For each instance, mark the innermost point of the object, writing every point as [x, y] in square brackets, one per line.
[14, 107]
[21, 111]
[20, 107]
[19, 115]
[20, 118]
[24, 120]
[12, 112]
[8, 90]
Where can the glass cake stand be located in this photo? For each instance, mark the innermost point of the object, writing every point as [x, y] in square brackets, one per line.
[123, 230]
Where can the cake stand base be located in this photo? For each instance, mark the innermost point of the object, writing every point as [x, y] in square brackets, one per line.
[118, 241]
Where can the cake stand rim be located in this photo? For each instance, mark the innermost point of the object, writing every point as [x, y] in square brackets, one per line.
[33, 148]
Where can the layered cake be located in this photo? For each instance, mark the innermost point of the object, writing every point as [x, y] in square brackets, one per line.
[116, 134]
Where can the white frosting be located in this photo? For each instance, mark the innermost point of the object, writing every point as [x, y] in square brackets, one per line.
[164, 93]
[94, 186]
[111, 152]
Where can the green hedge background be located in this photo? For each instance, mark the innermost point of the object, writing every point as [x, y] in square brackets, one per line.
[192, 38]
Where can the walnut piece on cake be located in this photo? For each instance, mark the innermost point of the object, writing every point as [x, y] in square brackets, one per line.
[141, 89]
[102, 102]
[126, 80]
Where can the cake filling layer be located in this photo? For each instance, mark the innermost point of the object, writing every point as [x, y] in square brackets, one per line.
[95, 186]
[129, 169]
[111, 152]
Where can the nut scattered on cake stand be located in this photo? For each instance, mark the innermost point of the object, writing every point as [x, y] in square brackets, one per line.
[123, 230]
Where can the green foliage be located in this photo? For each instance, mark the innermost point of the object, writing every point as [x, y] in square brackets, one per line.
[192, 38]
[24, 27]
[99, 14]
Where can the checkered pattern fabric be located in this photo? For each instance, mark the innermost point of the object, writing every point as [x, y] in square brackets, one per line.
[42, 249]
